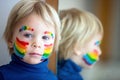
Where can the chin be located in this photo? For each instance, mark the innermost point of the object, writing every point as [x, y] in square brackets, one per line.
[89, 66]
[32, 61]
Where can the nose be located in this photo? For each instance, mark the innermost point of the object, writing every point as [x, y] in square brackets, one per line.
[99, 50]
[37, 43]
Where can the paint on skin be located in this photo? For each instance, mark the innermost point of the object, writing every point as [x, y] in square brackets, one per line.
[47, 51]
[49, 33]
[98, 43]
[48, 47]
[20, 48]
[23, 28]
[91, 58]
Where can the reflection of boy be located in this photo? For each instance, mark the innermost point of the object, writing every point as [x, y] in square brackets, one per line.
[79, 47]
[32, 34]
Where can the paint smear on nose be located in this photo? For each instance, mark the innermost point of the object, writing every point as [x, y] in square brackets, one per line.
[91, 58]
[20, 48]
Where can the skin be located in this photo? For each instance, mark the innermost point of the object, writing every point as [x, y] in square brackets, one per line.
[38, 41]
[89, 55]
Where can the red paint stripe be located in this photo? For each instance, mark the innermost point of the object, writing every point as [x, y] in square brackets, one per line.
[46, 32]
[20, 45]
[47, 45]
[22, 42]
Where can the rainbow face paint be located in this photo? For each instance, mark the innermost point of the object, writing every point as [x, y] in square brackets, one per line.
[91, 58]
[48, 47]
[98, 43]
[47, 51]
[23, 28]
[20, 48]
[49, 33]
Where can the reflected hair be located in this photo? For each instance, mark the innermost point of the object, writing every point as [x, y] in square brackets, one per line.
[78, 27]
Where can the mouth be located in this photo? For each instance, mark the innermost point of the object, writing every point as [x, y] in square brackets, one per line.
[35, 54]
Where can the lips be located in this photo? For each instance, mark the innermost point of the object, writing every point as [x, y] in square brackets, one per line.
[32, 54]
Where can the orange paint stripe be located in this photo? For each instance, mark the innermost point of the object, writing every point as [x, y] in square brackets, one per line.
[22, 42]
[22, 50]
[20, 45]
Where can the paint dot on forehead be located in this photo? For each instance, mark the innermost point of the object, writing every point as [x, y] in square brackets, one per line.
[23, 28]
[49, 33]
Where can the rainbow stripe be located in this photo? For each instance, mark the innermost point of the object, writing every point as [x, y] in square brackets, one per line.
[49, 33]
[47, 51]
[23, 28]
[20, 48]
[91, 58]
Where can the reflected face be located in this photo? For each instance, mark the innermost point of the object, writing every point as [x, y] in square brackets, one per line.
[33, 39]
[94, 51]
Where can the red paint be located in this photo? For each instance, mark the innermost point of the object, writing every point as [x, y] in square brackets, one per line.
[22, 42]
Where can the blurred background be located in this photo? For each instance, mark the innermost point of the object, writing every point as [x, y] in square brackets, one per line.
[108, 11]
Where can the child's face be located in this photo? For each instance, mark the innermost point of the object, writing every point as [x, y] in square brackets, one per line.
[92, 52]
[33, 39]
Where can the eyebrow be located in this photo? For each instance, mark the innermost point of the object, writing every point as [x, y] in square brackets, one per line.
[49, 33]
[97, 42]
[23, 28]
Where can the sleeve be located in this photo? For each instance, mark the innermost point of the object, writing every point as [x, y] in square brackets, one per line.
[68, 72]
[1, 76]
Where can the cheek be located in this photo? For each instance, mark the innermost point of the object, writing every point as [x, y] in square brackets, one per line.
[20, 47]
[91, 57]
[94, 54]
[47, 51]
[48, 48]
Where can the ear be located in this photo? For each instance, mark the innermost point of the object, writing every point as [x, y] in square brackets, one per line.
[10, 44]
[77, 51]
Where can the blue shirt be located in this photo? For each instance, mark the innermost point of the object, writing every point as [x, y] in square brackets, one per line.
[19, 70]
[68, 70]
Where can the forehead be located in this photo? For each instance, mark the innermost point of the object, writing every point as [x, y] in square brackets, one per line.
[36, 22]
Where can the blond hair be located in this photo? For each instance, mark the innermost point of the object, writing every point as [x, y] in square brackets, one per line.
[24, 8]
[78, 27]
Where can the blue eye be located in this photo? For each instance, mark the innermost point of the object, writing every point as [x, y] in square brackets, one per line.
[45, 37]
[27, 35]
